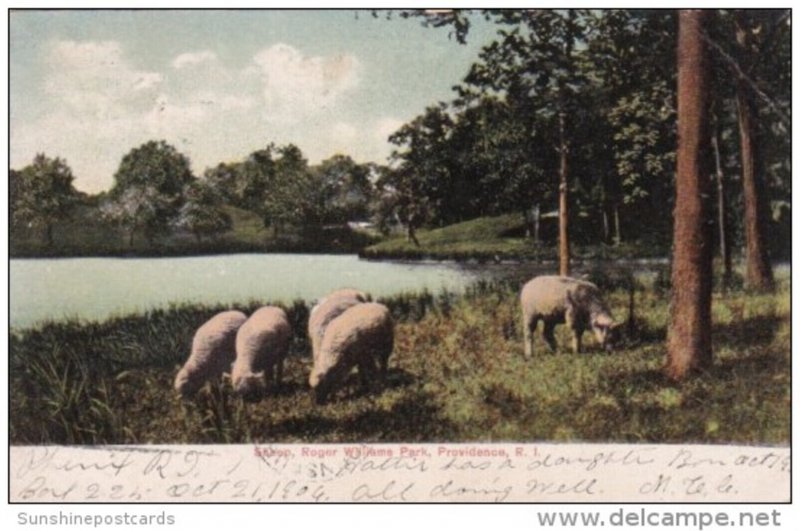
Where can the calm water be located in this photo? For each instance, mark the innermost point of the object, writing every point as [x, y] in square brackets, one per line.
[96, 288]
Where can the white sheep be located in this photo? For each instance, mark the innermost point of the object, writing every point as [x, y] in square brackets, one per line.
[213, 352]
[557, 299]
[261, 346]
[361, 336]
[327, 309]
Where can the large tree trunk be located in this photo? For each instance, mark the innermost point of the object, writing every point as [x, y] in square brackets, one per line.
[758, 270]
[722, 209]
[689, 335]
[563, 214]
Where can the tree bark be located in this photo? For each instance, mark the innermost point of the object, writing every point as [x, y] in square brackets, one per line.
[689, 334]
[758, 269]
[617, 228]
[563, 197]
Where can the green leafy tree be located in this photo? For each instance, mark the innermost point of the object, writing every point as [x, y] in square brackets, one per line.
[421, 178]
[535, 60]
[345, 189]
[202, 213]
[293, 198]
[149, 187]
[630, 59]
[223, 179]
[42, 195]
[256, 177]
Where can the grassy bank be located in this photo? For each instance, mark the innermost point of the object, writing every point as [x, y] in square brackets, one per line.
[457, 374]
[86, 235]
[495, 238]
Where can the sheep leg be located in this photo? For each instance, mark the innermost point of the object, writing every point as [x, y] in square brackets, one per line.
[366, 371]
[575, 324]
[576, 340]
[549, 329]
[528, 330]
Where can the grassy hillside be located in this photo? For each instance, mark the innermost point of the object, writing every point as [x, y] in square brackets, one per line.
[492, 238]
[457, 373]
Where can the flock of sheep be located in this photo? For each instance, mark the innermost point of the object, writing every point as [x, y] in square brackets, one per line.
[348, 331]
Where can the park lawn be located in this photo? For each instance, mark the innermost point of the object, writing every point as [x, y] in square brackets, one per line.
[495, 238]
[457, 374]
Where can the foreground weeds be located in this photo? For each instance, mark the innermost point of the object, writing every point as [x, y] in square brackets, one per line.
[457, 374]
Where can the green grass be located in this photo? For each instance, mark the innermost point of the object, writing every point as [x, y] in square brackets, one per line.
[457, 374]
[490, 238]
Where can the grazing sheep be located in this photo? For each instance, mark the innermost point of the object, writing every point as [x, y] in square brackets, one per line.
[327, 309]
[261, 345]
[213, 352]
[359, 337]
[555, 300]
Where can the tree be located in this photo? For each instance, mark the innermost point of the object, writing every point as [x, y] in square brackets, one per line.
[292, 198]
[133, 208]
[345, 189]
[421, 177]
[224, 180]
[630, 62]
[202, 213]
[42, 195]
[148, 188]
[689, 335]
[758, 269]
[256, 177]
[536, 60]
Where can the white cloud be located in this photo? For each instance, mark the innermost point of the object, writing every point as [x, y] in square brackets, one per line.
[295, 85]
[193, 59]
[93, 77]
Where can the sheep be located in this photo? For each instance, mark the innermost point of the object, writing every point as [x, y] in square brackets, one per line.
[360, 336]
[327, 309]
[558, 299]
[213, 352]
[261, 345]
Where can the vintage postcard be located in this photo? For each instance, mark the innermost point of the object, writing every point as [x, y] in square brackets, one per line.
[410, 255]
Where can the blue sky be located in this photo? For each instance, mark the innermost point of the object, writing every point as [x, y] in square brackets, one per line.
[88, 86]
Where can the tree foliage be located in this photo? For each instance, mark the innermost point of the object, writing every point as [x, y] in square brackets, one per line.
[41, 195]
[202, 213]
[148, 190]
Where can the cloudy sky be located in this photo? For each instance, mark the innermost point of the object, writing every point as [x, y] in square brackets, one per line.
[88, 86]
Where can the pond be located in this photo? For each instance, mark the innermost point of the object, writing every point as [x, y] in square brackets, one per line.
[97, 288]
